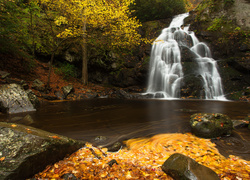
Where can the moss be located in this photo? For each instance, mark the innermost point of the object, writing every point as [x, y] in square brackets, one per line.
[216, 24]
[209, 125]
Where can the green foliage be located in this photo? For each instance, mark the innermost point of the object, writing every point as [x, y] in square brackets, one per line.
[237, 29]
[216, 24]
[18, 26]
[67, 70]
[204, 4]
[149, 10]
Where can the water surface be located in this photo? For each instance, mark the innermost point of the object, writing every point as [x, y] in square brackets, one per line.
[124, 119]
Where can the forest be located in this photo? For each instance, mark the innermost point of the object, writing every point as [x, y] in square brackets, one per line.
[91, 30]
[73, 76]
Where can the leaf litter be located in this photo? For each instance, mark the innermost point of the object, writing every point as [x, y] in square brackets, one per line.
[142, 158]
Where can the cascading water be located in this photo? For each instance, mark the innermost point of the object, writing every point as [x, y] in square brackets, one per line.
[166, 71]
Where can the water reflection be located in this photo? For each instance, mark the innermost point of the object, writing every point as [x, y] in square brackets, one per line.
[124, 119]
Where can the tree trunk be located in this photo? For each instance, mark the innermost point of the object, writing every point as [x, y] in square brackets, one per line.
[50, 68]
[84, 60]
[84, 51]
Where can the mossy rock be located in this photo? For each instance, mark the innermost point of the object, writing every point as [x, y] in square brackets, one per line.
[26, 151]
[211, 125]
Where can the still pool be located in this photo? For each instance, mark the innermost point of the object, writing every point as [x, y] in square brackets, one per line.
[124, 119]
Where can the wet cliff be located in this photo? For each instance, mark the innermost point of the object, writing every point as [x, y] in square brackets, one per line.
[224, 25]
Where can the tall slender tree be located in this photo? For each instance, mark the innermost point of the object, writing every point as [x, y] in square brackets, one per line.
[110, 19]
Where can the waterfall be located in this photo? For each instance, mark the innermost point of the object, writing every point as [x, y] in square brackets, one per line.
[166, 76]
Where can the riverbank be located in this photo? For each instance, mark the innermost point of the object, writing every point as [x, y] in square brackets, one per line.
[143, 158]
[14, 71]
[20, 70]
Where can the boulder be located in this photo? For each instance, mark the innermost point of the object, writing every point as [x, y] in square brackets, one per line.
[4, 74]
[33, 98]
[13, 99]
[115, 147]
[26, 120]
[211, 125]
[121, 94]
[192, 86]
[67, 90]
[25, 151]
[38, 85]
[59, 95]
[112, 162]
[181, 167]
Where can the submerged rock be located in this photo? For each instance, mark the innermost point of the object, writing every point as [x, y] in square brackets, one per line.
[181, 167]
[115, 147]
[13, 99]
[209, 125]
[25, 151]
[26, 120]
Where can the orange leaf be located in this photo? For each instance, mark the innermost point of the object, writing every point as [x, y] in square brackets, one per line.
[2, 158]
[55, 137]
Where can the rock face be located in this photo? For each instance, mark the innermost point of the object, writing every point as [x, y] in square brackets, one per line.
[13, 99]
[26, 151]
[181, 167]
[224, 26]
[209, 125]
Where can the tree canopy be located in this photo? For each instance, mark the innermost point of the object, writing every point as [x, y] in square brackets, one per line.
[106, 20]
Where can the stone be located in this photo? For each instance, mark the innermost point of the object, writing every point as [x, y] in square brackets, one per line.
[112, 162]
[26, 120]
[192, 86]
[13, 99]
[115, 147]
[69, 176]
[50, 98]
[100, 140]
[67, 90]
[25, 86]
[4, 74]
[59, 95]
[181, 167]
[38, 85]
[121, 94]
[211, 125]
[33, 98]
[27, 150]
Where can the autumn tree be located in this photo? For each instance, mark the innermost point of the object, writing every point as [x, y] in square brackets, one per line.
[105, 23]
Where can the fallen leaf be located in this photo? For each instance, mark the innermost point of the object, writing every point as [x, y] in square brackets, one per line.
[55, 137]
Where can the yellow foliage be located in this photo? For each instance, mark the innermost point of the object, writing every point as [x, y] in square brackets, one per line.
[112, 18]
[61, 20]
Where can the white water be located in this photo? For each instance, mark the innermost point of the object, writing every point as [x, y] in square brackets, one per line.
[166, 73]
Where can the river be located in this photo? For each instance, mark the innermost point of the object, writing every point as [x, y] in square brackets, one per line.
[124, 119]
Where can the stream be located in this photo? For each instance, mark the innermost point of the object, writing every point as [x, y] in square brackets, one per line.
[124, 119]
